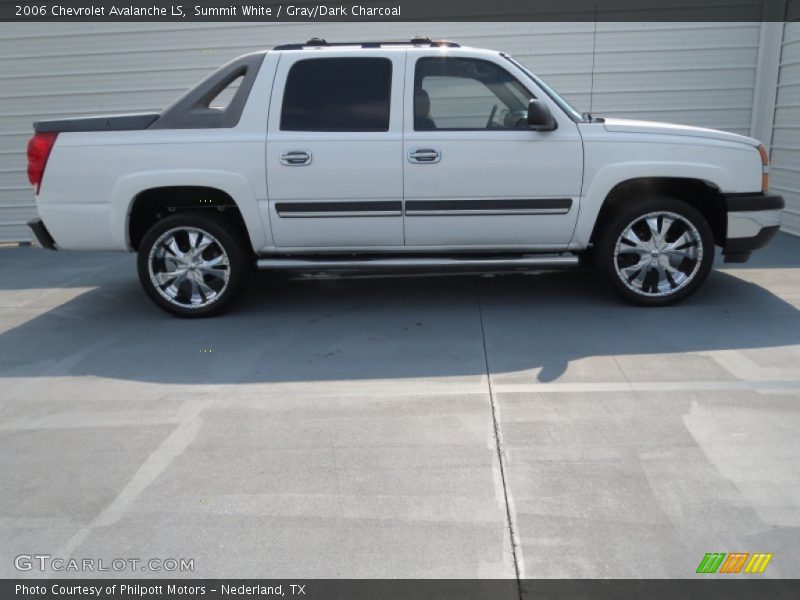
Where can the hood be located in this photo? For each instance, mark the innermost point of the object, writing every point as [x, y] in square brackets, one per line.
[630, 126]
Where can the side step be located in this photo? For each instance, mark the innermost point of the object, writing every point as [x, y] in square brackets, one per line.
[550, 261]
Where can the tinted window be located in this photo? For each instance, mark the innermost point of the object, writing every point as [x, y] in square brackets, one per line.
[338, 94]
[465, 93]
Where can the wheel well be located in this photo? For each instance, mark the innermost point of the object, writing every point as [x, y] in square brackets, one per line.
[151, 205]
[703, 197]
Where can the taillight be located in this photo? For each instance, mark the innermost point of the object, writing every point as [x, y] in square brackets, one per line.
[38, 152]
[764, 167]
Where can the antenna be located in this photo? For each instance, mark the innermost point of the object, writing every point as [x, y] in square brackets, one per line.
[594, 54]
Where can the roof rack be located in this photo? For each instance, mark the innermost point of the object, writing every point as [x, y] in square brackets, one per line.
[417, 41]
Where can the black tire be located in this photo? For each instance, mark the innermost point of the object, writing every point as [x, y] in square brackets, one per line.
[657, 287]
[225, 284]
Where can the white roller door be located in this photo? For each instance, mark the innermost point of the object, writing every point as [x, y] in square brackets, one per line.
[785, 155]
[694, 73]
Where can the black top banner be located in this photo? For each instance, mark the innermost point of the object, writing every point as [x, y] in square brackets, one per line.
[397, 10]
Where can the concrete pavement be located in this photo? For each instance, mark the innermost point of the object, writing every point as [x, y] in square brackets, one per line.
[349, 428]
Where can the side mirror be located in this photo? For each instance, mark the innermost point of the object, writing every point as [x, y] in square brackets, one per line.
[539, 117]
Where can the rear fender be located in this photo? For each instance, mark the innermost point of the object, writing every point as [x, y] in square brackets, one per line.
[233, 184]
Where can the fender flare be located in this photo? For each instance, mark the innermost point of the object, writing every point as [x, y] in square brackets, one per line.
[608, 177]
[235, 185]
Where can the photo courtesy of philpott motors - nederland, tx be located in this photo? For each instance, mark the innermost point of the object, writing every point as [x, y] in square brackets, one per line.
[124, 589]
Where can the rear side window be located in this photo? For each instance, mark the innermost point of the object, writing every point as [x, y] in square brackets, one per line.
[338, 94]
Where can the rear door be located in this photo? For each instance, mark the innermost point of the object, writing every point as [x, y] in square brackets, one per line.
[475, 175]
[334, 141]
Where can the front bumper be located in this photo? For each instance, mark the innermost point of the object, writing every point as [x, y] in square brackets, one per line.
[753, 220]
[42, 235]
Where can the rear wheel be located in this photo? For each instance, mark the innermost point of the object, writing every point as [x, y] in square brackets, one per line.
[191, 265]
[657, 251]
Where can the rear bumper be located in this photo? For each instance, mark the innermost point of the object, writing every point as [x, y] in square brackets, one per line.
[42, 235]
[753, 220]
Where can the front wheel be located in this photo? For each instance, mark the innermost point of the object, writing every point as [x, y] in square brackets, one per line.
[657, 251]
[191, 265]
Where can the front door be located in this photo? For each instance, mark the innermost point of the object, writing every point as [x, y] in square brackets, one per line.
[475, 175]
[334, 176]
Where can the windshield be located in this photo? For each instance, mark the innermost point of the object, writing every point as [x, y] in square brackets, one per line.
[565, 106]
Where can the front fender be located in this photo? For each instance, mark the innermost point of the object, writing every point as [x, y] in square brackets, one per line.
[608, 177]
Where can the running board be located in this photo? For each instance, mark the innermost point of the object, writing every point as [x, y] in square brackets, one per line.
[322, 264]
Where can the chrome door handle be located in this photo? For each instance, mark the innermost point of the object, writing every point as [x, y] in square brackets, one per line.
[424, 155]
[296, 158]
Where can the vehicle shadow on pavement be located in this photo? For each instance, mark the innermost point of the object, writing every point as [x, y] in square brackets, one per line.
[530, 326]
[570, 318]
[783, 252]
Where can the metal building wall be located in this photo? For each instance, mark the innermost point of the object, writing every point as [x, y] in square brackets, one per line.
[693, 73]
[785, 156]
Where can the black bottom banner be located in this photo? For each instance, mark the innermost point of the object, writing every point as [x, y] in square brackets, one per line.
[412, 589]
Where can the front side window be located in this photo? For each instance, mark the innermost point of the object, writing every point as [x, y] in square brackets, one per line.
[467, 94]
[338, 94]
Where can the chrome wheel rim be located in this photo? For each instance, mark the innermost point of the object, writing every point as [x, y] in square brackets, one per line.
[189, 267]
[658, 254]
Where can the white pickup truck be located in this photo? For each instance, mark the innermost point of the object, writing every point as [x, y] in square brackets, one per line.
[394, 156]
